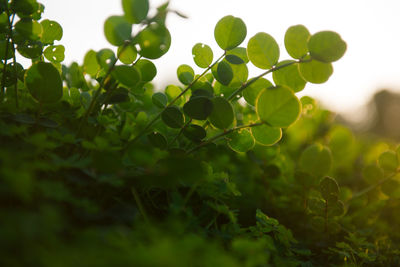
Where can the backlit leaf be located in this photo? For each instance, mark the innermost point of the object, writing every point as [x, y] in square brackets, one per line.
[251, 92]
[289, 76]
[315, 71]
[185, 74]
[154, 41]
[326, 46]
[52, 31]
[44, 82]
[230, 32]
[135, 10]
[241, 141]
[128, 54]
[117, 30]
[296, 40]
[278, 106]
[263, 50]
[222, 115]
[266, 135]
[126, 75]
[202, 55]
[316, 160]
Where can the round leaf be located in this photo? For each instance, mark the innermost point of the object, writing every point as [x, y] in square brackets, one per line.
[315, 71]
[135, 10]
[328, 188]
[185, 74]
[372, 174]
[296, 40]
[266, 135]
[54, 53]
[224, 73]
[326, 46]
[44, 82]
[251, 92]
[388, 161]
[128, 55]
[29, 29]
[172, 91]
[159, 99]
[222, 115]
[241, 141]
[278, 106]
[202, 55]
[198, 108]
[154, 41]
[289, 76]
[173, 117]
[316, 160]
[105, 57]
[230, 32]
[147, 69]
[117, 30]
[194, 132]
[239, 52]
[126, 75]
[263, 50]
[158, 140]
[51, 31]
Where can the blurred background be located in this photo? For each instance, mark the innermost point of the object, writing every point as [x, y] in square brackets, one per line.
[370, 28]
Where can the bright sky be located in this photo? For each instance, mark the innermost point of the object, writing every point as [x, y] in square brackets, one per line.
[370, 28]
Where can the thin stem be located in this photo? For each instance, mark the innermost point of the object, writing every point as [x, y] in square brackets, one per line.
[180, 132]
[9, 37]
[139, 204]
[372, 187]
[97, 93]
[212, 139]
[253, 80]
[145, 129]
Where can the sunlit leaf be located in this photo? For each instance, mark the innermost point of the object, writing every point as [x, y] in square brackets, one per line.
[52, 31]
[202, 55]
[185, 74]
[263, 50]
[241, 141]
[135, 10]
[44, 82]
[326, 46]
[154, 41]
[296, 40]
[289, 76]
[117, 30]
[278, 106]
[315, 71]
[266, 135]
[230, 32]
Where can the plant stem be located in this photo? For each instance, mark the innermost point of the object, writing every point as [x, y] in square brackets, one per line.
[252, 80]
[141, 133]
[97, 93]
[139, 204]
[180, 132]
[9, 40]
[372, 187]
[223, 134]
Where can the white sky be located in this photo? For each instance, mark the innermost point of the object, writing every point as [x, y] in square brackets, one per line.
[371, 29]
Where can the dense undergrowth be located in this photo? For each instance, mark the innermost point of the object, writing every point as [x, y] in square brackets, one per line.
[99, 168]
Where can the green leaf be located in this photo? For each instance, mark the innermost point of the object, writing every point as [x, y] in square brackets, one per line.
[233, 59]
[198, 108]
[159, 99]
[44, 82]
[316, 160]
[118, 95]
[296, 40]
[25, 7]
[278, 106]
[158, 140]
[372, 173]
[30, 49]
[388, 161]
[128, 55]
[172, 91]
[54, 53]
[336, 208]
[241, 141]
[289, 76]
[90, 64]
[173, 117]
[117, 30]
[154, 41]
[10, 53]
[105, 58]
[126, 75]
[315, 71]
[222, 115]
[194, 132]
[135, 10]
[52, 31]
[223, 73]
[240, 52]
[147, 69]
[329, 188]
[266, 135]
[263, 50]
[29, 29]
[185, 74]
[230, 32]
[202, 55]
[251, 92]
[326, 46]
[202, 92]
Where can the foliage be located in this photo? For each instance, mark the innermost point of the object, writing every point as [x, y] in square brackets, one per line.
[98, 168]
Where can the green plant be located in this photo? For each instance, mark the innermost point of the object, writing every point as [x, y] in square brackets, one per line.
[99, 168]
